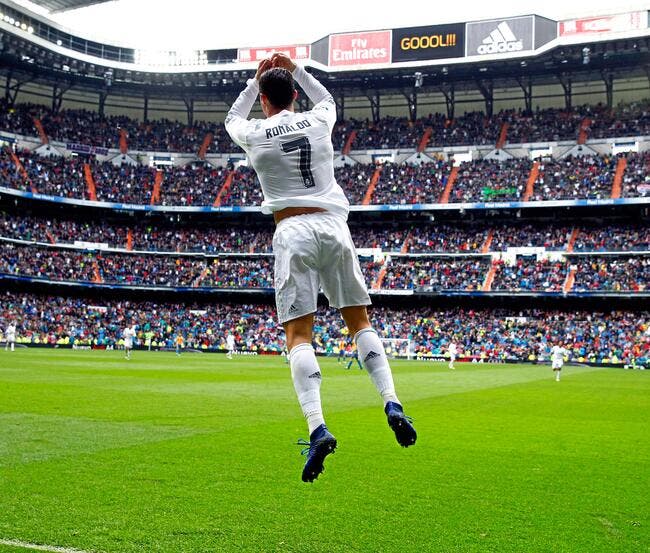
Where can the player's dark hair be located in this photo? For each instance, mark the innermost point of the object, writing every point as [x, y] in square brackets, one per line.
[277, 85]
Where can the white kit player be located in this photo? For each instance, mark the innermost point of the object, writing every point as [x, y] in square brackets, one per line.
[453, 353]
[557, 360]
[10, 336]
[292, 154]
[230, 345]
[128, 335]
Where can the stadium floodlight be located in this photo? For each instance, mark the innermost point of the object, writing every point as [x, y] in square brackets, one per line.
[418, 79]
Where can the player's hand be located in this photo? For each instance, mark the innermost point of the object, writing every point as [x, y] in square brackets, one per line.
[264, 65]
[283, 61]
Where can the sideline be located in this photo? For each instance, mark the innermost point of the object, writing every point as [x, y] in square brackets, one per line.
[37, 547]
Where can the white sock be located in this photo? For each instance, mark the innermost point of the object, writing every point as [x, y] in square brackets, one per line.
[306, 377]
[557, 375]
[373, 358]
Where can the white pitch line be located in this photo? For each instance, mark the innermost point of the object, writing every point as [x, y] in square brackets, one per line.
[37, 547]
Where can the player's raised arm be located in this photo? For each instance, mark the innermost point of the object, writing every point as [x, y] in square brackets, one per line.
[323, 101]
[237, 118]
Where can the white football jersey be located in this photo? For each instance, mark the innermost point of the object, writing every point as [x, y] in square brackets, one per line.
[291, 153]
[128, 335]
[453, 350]
[11, 332]
[230, 341]
[557, 353]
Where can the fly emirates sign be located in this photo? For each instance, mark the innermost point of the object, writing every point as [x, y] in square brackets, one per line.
[360, 48]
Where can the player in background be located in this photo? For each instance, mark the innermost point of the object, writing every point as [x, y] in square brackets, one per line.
[452, 348]
[354, 356]
[230, 345]
[10, 336]
[128, 335]
[292, 154]
[557, 360]
[179, 343]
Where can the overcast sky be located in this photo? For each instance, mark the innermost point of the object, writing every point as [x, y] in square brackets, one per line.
[193, 24]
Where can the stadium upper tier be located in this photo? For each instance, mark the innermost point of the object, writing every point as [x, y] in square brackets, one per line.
[437, 131]
[434, 182]
[404, 237]
[599, 337]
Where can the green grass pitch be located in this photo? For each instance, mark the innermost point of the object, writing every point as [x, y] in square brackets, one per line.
[197, 454]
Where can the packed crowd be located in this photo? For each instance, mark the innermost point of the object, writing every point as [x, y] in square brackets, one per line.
[473, 128]
[200, 184]
[613, 274]
[411, 184]
[433, 275]
[90, 128]
[636, 179]
[611, 337]
[589, 177]
[487, 180]
[136, 270]
[529, 274]
[388, 237]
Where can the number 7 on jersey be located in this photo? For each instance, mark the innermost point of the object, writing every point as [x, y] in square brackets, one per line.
[304, 158]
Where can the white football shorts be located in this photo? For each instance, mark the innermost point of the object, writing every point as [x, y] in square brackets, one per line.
[557, 363]
[315, 251]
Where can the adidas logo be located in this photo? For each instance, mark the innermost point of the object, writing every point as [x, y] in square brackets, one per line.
[292, 309]
[315, 375]
[371, 355]
[502, 39]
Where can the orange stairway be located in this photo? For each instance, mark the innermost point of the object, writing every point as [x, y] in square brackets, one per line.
[207, 141]
[21, 170]
[424, 141]
[489, 278]
[41, 131]
[407, 243]
[97, 277]
[124, 143]
[347, 148]
[617, 185]
[157, 183]
[380, 277]
[444, 198]
[530, 185]
[572, 240]
[570, 280]
[583, 134]
[503, 135]
[90, 182]
[488, 241]
[50, 237]
[224, 189]
[371, 187]
[129, 239]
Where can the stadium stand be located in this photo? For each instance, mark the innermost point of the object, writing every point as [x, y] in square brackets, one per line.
[489, 335]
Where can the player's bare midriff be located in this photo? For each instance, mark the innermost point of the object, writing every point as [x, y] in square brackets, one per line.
[293, 211]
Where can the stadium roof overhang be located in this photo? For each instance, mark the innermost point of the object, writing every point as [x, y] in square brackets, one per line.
[57, 6]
